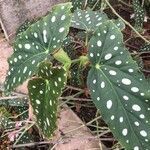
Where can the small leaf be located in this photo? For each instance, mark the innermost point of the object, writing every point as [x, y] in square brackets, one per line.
[5, 121]
[75, 79]
[44, 92]
[26, 138]
[34, 45]
[77, 4]
[139, 14]
[83, 4]
[145, 48]
[87, 20]
[118, 89]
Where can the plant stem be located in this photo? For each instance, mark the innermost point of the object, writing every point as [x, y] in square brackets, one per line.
[75, 88]
[75, 60]
[126, 22]
[97, 113]
[68, 98]
[86, 39]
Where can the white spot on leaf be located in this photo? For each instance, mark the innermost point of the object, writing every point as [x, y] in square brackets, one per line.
[134, 89]
[112, 72]
[109, 104]
[136, 107]
[27, 46]
[143, 133]
[126, 81]
[124, 132]
[99, 43]
[61, 29]
[108, 56]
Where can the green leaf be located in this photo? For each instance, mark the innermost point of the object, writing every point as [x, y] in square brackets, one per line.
[34, 45]
[5, 121]
[118, 89]
[90, 20]
[24, 27]
[139, 14]
[120, 24]
[44, 92]
[87, 20]
[26, 138]
[75, 79]
[83, 4]
[22, 112]
[14, 102]
[62, 56]
[77, 4]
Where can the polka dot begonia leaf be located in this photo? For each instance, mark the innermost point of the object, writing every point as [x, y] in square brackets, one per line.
[83, 4]
[44, 92]
[77, 4]
[139, 13]
[14, 102]
[145, 48]
[23, 112]
[118, 89]
[5, 121]
[26, 138]
[34, 45]
[87, 19]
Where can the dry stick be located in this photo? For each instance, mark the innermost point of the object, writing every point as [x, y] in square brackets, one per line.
[49, 142]
[125, 3]
[147, 71]
[11, 97]
[85, 4]
[95, 4]
[74, 88]
[126, 22]
[3, 28]
[26, 129]
[83, 125]
[77, 99]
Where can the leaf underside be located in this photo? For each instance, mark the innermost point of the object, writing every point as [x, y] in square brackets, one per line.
[44, 92]
[118, 89]
[34, 45]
